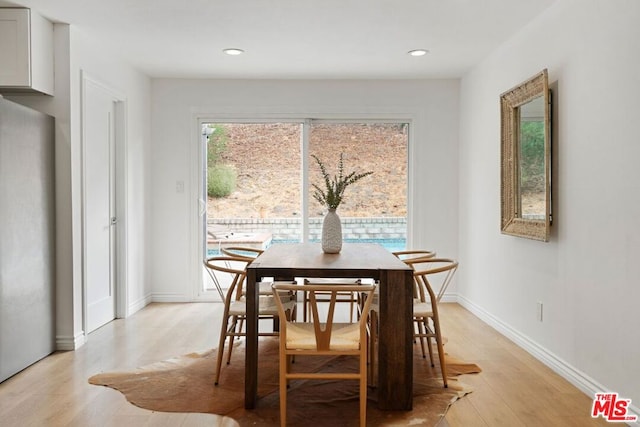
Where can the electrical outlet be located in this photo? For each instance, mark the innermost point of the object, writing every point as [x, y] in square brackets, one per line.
[539, 312]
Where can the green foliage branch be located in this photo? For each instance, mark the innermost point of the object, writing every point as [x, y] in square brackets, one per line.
[333, 191]
[221, 178]
[217, 142]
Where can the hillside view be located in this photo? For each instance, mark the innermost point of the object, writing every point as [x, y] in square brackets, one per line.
[266, 160]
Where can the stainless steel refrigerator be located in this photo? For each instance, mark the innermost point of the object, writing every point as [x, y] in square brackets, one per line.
[27, 237]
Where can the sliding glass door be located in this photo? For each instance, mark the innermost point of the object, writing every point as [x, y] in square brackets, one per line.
[257, 182]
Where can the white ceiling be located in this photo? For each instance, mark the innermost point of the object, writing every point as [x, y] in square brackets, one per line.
[296, 39]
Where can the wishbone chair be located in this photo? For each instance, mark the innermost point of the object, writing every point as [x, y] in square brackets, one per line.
[235, 308]
[322, 336]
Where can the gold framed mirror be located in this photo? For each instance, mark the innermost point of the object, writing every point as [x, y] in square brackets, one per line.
[525, 122]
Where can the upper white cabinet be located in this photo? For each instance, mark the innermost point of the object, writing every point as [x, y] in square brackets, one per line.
[26, 51]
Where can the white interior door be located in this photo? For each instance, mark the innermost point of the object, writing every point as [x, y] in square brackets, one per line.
[99, 203]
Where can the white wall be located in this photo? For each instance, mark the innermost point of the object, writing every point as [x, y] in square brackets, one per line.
[75, 52]
[587, 276]
[176, 104]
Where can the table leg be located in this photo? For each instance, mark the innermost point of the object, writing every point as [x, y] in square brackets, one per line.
[395, 349]
[251, 357]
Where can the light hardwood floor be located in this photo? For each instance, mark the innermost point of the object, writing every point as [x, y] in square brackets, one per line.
[514, 389]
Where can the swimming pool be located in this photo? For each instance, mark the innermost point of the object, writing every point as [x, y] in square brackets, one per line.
[391, 245]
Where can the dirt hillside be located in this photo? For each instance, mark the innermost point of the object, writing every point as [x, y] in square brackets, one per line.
[267, 160]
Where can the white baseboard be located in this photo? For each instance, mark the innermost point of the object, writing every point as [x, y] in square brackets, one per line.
[170, 297]
[138, 305]
[70, 343]
[579, 379]
[450, 298]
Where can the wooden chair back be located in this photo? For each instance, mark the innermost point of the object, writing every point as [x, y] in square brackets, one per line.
[433, 276]
[411, 254]
[323, 336]
[241, 252]
[235, 269]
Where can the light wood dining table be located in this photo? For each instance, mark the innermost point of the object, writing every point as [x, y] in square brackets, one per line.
[355, 260]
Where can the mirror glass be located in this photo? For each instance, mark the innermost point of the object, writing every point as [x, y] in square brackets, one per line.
[531, 159]
[526, 159]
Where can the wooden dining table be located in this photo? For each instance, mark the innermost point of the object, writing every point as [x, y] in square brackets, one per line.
[355, 260]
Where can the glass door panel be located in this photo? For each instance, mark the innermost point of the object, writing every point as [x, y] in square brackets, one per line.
[375, 207]
[252, 184]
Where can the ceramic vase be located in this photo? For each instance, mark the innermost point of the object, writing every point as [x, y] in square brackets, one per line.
[331, 233]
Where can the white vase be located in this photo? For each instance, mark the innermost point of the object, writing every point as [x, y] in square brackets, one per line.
[331, 233]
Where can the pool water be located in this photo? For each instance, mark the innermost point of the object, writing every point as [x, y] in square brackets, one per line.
[391, 245]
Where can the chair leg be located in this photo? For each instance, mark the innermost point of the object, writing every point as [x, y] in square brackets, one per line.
[284, 366]
[421, 333]
[443, 364]
[359, 304]
[223, 338]
[429, 335]
[351, 308]
[305, 295]
[373, 335]
[429, 346]
[363, 390]
[234, 329]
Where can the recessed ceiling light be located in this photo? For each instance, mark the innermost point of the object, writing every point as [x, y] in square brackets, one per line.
[418, 52]
[233, 51]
